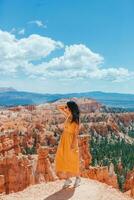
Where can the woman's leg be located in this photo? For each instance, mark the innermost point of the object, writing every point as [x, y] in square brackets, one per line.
[77, 181]
[68, 175]
[68, 180]
[77, 175]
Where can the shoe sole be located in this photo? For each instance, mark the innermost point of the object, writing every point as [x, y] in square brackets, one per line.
[77, 184]
[66, 186]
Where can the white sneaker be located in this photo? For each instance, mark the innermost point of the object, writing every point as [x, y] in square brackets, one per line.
[77, 182]
[67, 183]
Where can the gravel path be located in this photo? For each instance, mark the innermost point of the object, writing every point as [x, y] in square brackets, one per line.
[88, 190]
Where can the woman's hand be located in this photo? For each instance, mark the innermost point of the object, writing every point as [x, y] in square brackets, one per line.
[62, 109]
[74, 148]
[61, 106]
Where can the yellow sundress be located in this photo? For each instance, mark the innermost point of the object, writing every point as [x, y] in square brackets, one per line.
[67, 159]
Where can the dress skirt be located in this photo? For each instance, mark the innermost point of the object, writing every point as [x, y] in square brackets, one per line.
[67, 159]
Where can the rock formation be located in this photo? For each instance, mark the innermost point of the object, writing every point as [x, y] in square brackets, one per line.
[129, 183]
[29, 137]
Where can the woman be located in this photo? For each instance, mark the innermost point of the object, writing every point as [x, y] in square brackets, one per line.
[67, 155]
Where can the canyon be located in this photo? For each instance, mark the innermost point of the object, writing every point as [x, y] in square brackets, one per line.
[29, 136]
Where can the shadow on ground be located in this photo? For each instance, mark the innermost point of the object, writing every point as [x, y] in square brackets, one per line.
[62, 194]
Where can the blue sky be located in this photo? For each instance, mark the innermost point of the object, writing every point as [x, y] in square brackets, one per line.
[67, 46]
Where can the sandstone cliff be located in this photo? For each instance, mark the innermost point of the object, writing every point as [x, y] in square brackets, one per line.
[29, 137]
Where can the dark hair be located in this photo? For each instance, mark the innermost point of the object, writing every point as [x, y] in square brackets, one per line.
[74, 110]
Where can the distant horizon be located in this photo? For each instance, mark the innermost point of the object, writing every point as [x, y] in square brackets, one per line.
[67, 92]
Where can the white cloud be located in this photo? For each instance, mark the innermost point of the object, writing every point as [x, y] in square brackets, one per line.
[76, 57]
[21, 32]
[16, 53]
[116, 74]
[18, 31]
[112, 74]
[76, 61]
[79, 62]
[36, 47]
[39, 23]
[13, 30]
[26, 55]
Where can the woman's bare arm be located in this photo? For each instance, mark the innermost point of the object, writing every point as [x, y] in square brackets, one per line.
[62, 109]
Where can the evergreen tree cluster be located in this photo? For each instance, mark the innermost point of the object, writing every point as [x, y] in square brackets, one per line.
[113, 149]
